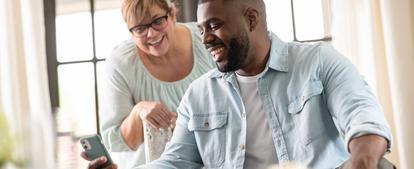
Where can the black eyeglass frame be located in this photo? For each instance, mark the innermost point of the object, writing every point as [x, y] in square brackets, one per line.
[145, 27]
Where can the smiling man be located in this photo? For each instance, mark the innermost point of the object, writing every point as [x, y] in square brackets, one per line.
[270, 102]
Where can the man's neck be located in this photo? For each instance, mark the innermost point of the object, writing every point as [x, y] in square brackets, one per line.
[259, 59]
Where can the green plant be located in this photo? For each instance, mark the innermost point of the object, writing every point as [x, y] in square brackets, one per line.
[6, 142]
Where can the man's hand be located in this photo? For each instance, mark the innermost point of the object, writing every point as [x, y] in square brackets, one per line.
[366, 151]
[97, 162]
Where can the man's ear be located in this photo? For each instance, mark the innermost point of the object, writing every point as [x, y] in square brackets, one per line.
[252, 17]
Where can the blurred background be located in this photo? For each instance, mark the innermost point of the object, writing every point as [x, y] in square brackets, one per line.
[52, 53]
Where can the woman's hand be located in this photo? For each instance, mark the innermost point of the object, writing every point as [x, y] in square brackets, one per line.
[155, 114]
[93, 164]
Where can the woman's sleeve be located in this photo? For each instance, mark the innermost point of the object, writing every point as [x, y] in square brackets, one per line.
[116, 102]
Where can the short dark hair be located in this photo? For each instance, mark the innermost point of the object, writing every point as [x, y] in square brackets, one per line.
[203, 1]
[258, 4]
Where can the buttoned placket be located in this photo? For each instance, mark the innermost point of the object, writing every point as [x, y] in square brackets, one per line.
[275, 126]
[242, 141]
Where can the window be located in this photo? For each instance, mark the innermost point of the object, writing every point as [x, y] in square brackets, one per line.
[299, 20]
[80, 35]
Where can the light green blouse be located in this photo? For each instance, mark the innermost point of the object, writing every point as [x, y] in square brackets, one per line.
[127, 82]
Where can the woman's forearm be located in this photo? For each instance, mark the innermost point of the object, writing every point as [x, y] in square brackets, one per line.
[132, 130]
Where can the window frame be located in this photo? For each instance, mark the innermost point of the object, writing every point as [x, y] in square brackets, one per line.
[326, 14]
[53, 63]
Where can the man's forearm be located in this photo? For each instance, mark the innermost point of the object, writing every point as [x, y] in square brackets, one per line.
[367, 150]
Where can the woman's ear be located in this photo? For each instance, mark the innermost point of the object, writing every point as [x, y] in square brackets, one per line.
[252, 17]
[174, 13]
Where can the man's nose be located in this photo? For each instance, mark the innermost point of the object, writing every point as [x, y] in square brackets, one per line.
[207, 38]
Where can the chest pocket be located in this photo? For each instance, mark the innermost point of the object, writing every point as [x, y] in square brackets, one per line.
[306, 110]
[298, 100]
[210, 134]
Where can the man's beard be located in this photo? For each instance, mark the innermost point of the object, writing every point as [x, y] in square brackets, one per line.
[237, 54]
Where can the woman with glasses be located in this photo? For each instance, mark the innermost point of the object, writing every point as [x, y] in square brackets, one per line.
[147, 75]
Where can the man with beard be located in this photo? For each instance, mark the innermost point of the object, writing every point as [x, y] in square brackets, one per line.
[270, 102]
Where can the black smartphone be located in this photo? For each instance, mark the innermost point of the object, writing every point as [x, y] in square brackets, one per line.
[94, 148]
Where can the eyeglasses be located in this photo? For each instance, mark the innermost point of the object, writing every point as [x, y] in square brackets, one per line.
[157, 24]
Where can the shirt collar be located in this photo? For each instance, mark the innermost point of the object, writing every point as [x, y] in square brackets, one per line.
[278, 59]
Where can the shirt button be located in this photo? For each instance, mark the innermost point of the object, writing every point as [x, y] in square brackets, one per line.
[243, 115]
[206, 124]
[302, 98]
[241, 146]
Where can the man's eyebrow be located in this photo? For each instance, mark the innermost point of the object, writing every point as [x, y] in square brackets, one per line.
[199, 26]
[208, 21]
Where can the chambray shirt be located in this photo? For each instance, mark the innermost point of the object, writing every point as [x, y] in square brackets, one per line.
[314, 98]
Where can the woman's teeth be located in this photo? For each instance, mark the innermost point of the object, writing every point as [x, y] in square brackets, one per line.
[155, 42]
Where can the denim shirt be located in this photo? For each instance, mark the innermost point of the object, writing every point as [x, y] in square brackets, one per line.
[314, 98]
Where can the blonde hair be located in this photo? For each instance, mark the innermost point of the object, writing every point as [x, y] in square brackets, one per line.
[134, 11]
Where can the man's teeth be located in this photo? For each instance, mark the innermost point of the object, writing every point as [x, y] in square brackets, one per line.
[217, 51]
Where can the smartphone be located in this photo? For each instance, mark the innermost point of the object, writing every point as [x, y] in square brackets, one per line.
[94, 148]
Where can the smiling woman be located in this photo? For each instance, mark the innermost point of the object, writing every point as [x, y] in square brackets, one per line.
[79, 56]
[145, 78]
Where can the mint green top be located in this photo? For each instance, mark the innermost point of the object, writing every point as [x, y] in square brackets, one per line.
[127, 82]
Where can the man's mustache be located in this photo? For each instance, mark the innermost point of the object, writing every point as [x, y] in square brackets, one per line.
[215, 43]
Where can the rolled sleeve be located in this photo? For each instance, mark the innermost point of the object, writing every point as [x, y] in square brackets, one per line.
[367, 129]
[350, 99]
